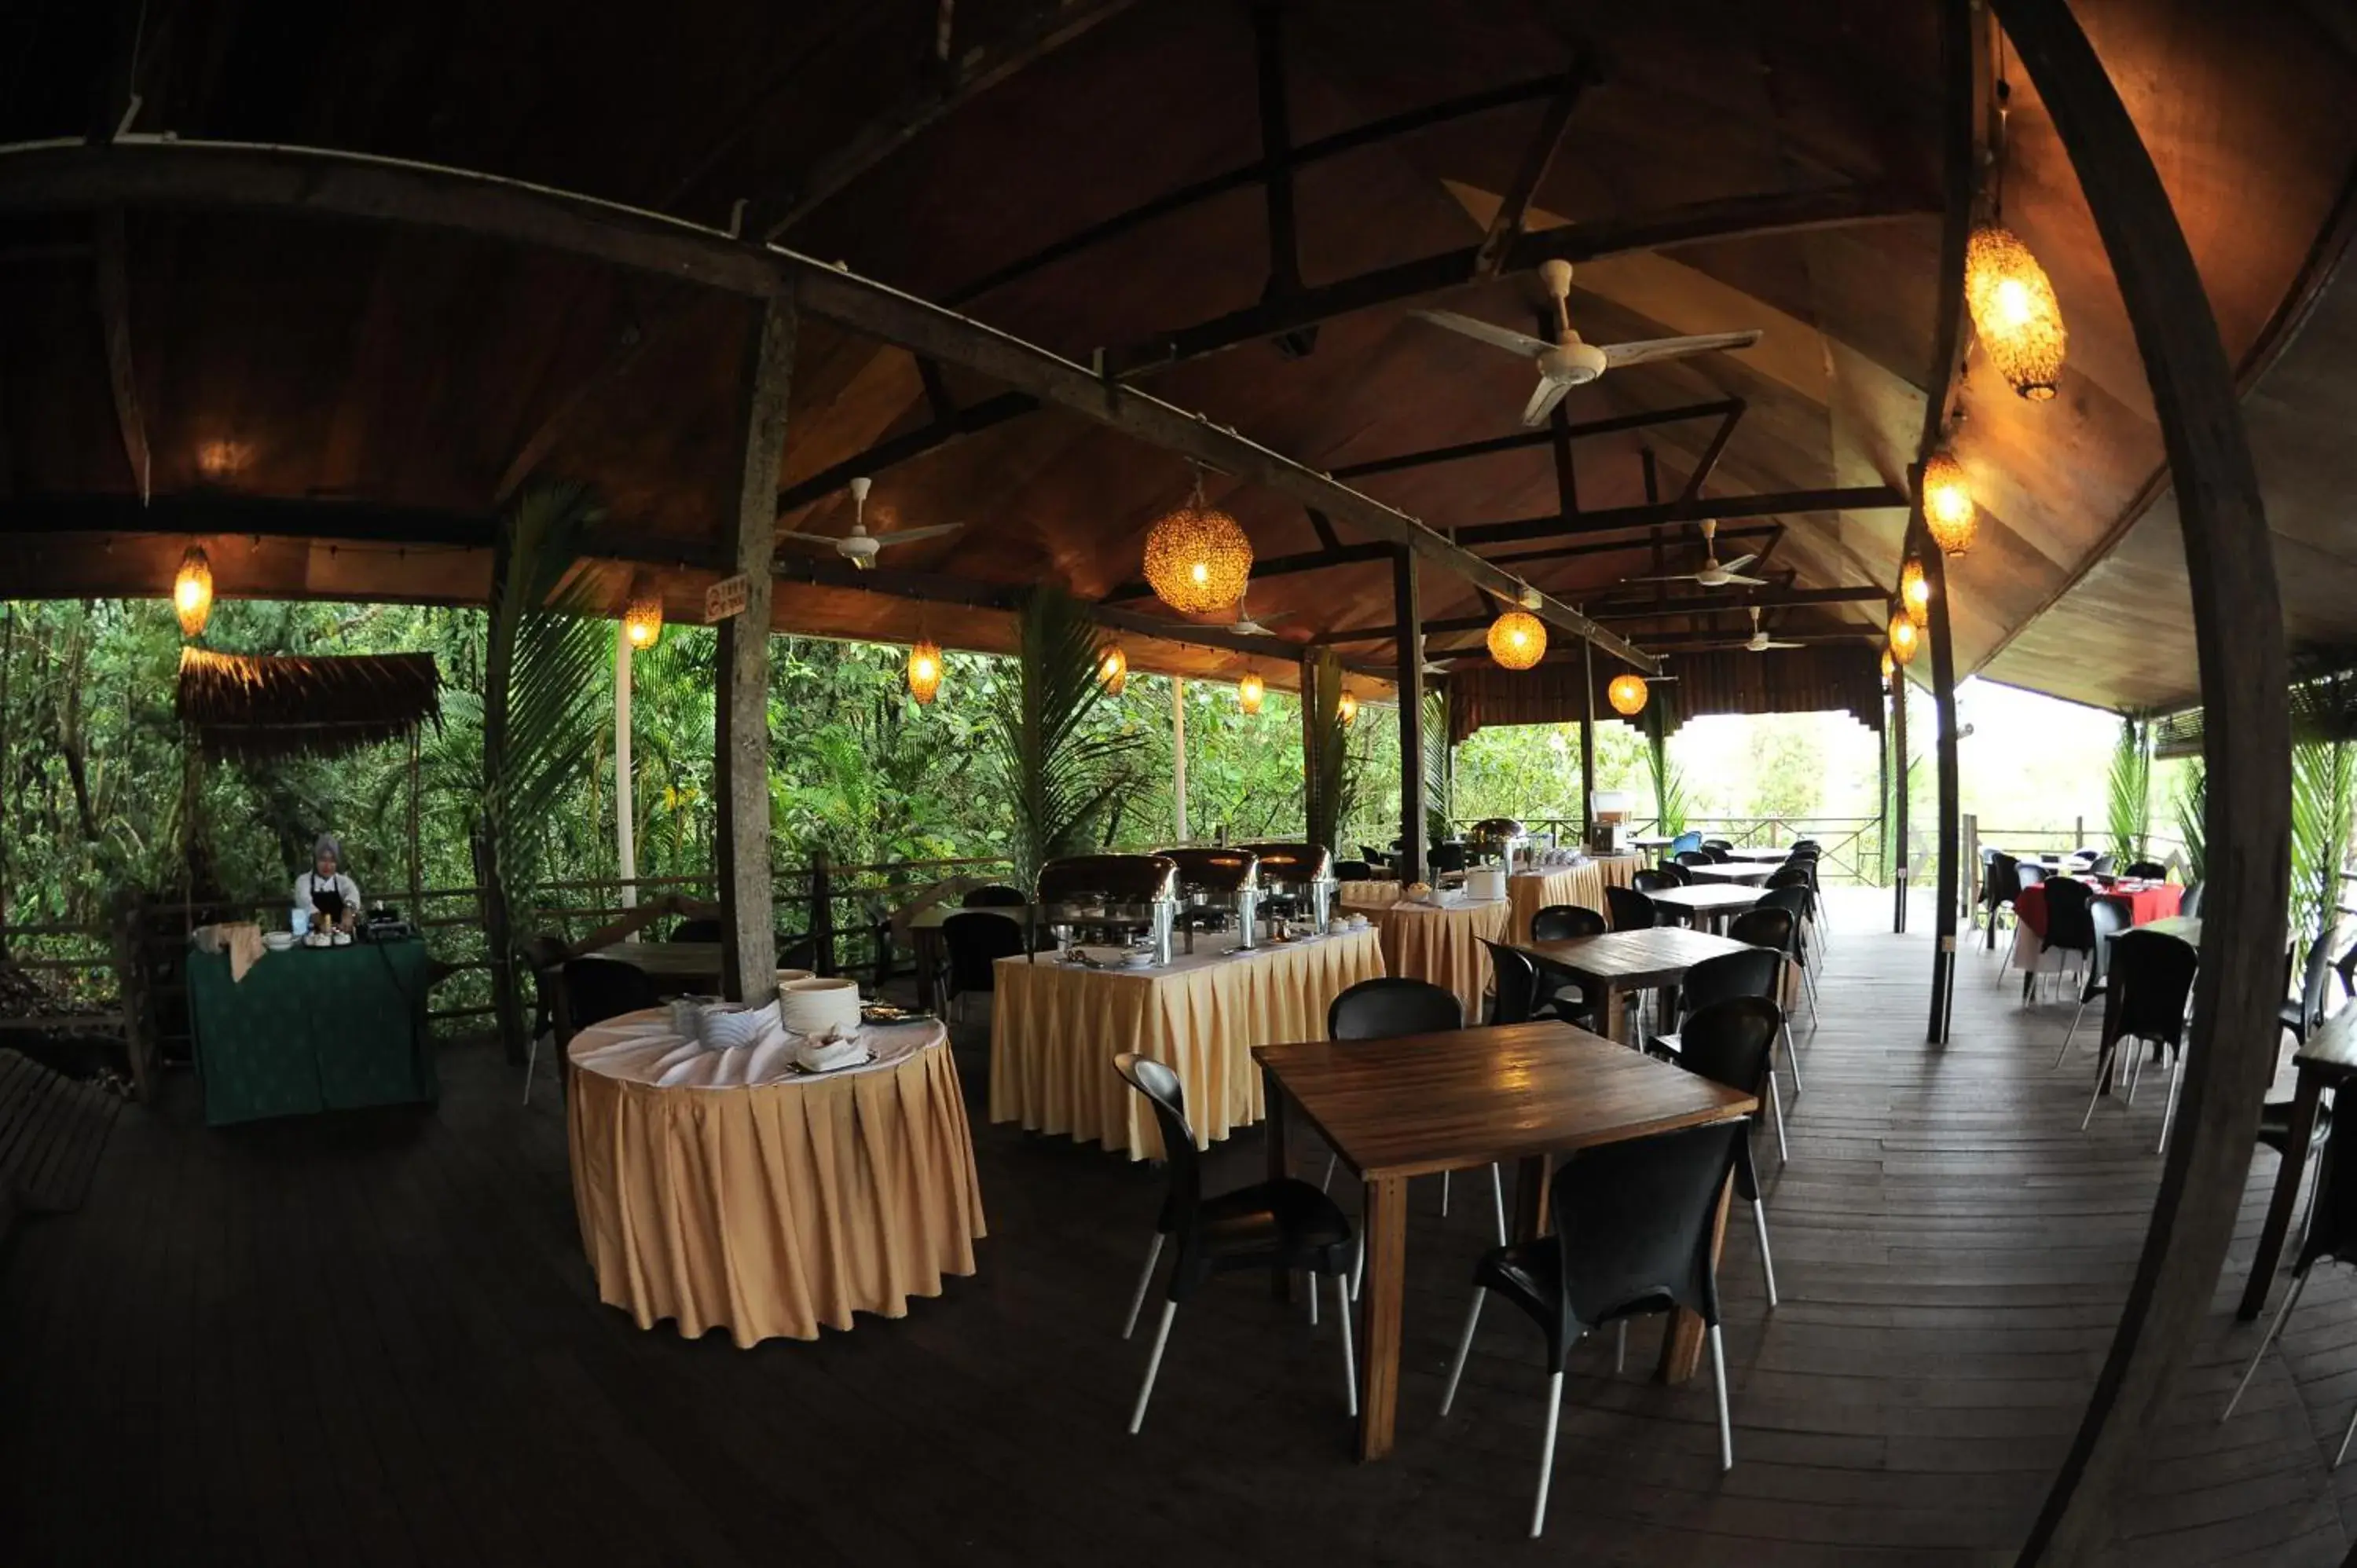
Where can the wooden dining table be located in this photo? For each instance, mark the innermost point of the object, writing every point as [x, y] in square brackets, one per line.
[1421, 1104]
[1618, 962]
[673, 966]
[1709, 904]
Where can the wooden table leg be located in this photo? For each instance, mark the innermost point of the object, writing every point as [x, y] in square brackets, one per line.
[1682, 1344]
[1380, 1309]
[1280, 1163]
[1615, 1012]
[1531, 1177]
[2285, 1197]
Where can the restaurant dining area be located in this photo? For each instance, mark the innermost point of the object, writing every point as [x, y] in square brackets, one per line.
[1258, 782]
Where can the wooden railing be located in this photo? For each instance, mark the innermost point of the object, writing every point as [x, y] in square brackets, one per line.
[1852, 845]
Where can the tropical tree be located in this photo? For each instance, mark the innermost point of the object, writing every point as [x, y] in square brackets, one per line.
[2128, 797]
[1060, 776]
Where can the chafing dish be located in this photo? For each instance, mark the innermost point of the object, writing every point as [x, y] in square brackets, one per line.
[1219, 888]
[1295, 880]
[1116, 898]
[1499, 838]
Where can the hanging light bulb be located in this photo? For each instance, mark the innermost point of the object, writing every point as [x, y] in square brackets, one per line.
[1887, 667]
[924, 671]
[1518, 640]
[1904, 638]
[1249, 692]
[1347, 710]
[1197, 559]
[1627, 693]
[2015, 312]
[1915, 593]
[192, 591]
[1948, 508]
[1112, 670]
[642, 615]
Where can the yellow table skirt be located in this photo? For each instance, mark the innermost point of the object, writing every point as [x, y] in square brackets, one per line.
[1369, 895]
[1619, 870]
[1532, 891]
[1055, 1029]
[772, 1208]
[1444, 946]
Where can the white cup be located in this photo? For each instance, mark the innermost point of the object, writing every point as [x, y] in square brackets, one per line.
[813, 1007]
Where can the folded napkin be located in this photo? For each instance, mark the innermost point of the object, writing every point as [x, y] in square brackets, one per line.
[825, 1053]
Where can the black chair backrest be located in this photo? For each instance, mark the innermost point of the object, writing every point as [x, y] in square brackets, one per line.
[1566, 923]
[2107, 918]
[2067, 922]
[545, 955]
[1795, 901]
[2188, 903]
[1517, 983]
[2004, 878]
[1443, 858]
[1635, 1222]
[596, 989]
[695, 931]
[1765, 928]
[1719, 843]
[1182, 1209]
[2313, 998]
[2151, 976]
[1392, 1005]
[1683, 875]
[1788, 875]
[1799, 844]
[1694, 858]
[1631, 910]
[2028, 874]
[2332, 1212]
[1373, 855]
[2145, 870]
[993, 895]
[976, 941]
[2100, 867]
[1719, 854]
[1651, 882]
[1753, 972]
[1731, 1040]
[1353, 871]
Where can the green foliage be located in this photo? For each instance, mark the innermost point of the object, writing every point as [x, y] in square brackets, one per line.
[1331, 782]
[2323, 798]
[2128, 799]
[2192, 804]
[1061, 776]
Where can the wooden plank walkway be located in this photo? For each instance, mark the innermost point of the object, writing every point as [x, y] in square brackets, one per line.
[372, 1339]
[52, 1131]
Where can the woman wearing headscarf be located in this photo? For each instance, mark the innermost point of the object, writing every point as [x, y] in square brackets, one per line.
[329, 899]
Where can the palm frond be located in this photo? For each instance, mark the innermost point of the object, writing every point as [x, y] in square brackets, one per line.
[2128, 802]
[1061, 770]
[2192, 818]
[2323, 796]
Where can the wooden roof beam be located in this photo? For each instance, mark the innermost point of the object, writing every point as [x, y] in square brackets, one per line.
[1770, 598]
[895, 450]
[1521, 439]
[1281, 566]
[1506, 224]
[1853, 498]
[1727, 218]
[1614, 546]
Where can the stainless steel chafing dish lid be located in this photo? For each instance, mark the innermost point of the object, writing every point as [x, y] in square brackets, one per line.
[1209, 870]
[1499, 828]
[1293, 865]
[1109, 879]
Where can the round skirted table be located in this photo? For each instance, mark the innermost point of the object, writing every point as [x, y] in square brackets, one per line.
[1442, 943]
[725, 1188]
[1531, 891]
[1055, 1028]
[1620, 869]
[2143, 901]
[1369, 895]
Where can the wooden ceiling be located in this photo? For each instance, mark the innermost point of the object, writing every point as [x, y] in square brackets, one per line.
[375, 376]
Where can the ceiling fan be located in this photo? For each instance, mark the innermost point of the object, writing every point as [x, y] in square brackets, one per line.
[860, 547]
[1714, 573]
[1246, 623]
[1760, 642]
[1569, 362]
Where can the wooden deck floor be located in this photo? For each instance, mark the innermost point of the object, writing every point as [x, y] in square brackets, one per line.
[373, 1340]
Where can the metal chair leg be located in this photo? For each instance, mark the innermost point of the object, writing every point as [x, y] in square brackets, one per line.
[1718, 1374]
[1332, 1160]
[1444, 1194]
[1621, 1346]
[2169, 1111]
[1349, 1361]
[1776, 1103]
[1464, 1349]
[1153, 1366]
[2274, 1331]
[531, 1058]
[1359, 1267]
[1793, 1061]
[1313, 1301]
[1498, 1195]
[2136, 1069]
[1767, 1259]
[1145, 1279]
[2069, 1031]
[1546, 1455]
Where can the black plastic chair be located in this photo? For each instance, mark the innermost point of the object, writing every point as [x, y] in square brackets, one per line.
[2000, 885]
[1721, 854]
[1515, 999]
[2303, 1015]
[1384, 1009]
[2145, 871]
[2068, 926]
[1373, 855]
[1567, 923]
[2107, 919]
[1733, 1041]
[596, 989]
[1719, 843]
[1634, 1224]
[1766, 925]
[1631, 910]
[1694, 858]
[2332, 1233]
[1651, 882]
[2188, 903]
[976, 942]
[694, 930]
[544, 956]
[993, 895]
[1799, 844]
[1683, 876]
[1730, 976]
[1785, 891]
[2152, 975]
[1353, 871]
[1268, 1226]
[1444, 857]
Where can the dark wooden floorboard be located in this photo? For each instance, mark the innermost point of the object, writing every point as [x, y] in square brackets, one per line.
[372, 1339]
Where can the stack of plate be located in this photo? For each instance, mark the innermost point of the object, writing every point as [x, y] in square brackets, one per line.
[813, 1007]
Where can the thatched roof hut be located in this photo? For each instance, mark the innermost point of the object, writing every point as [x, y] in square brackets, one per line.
[246, 705]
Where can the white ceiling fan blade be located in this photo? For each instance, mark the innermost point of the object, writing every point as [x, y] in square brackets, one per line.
[1766, 645]
[1505, 337]
[1259, 619]
[1651, 349]
[911, 535]
[1543, 400]
[1739, 563]
[1673, 577]
[1733, 577]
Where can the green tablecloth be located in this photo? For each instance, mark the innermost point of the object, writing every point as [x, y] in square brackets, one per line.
[311, 1029]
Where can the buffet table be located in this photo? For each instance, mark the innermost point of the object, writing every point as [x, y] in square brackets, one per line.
[1619, 870]
[1056, 1027]
[1370, 895]
[1443, 944]
[1531, 891]
[723, 1188]
[311, 1029]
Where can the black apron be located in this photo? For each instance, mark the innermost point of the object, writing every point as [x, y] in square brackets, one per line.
[327, 903]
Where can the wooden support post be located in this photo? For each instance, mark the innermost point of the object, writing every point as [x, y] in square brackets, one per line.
[1308, 741]
[1901, 857]
[748, 940]
[1408, 605]
[822, 912]
[1178, 759]
[1587, 743]
[2246, 742]
[626, 810]
[1943, 698]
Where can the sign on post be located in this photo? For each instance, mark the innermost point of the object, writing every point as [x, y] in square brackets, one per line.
[725, 598]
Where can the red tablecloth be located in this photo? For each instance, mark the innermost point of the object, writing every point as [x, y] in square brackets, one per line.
[2152, 901]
